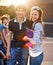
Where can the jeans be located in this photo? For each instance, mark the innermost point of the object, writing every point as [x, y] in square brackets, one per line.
[1, 62]
[18, 54]
[36, 60]
[2, 48]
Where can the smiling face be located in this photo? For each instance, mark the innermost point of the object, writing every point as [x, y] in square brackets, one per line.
[5, 21]
[34, 15]
[20, 11]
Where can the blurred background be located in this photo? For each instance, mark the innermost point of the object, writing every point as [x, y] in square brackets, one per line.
[8, 7]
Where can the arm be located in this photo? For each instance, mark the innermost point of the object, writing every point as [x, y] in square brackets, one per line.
[37, 35]
[5, 35]
[26, 38]
[8, 44]
[38, 32]
[4, 56]
[3, 39]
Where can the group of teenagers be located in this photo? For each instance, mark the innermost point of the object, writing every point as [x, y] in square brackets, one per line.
[22, 37]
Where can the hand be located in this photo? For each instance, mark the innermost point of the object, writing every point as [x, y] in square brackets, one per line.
[26, 38]
[26, 47]
[4, 57]
[8, 55]
[30, 44]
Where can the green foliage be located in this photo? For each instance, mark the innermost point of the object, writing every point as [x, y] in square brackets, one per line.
[7, 10]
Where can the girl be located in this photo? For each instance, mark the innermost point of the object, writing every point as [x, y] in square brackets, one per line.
[36, 52]
[5, 21]
[2, 44]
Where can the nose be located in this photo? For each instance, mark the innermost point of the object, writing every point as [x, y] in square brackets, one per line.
[20, 12]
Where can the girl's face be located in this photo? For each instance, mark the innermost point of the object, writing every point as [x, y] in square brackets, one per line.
[5, 21]
[34, 15]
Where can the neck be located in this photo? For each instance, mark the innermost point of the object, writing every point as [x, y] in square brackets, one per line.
[20, 19]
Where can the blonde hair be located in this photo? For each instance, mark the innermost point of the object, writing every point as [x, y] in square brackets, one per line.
[7, 16]
[0, 21]
[40, 19]
[21, 7]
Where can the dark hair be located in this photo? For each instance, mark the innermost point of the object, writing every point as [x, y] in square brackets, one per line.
[4, 18]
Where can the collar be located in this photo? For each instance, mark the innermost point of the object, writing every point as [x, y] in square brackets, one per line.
[15, 20]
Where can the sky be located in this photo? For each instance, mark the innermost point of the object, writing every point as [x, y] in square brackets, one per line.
[16, 2]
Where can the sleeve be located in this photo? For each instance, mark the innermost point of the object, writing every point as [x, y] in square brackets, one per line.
[4, 27]
[38, 29]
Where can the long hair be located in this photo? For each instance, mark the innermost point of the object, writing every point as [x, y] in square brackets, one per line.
[40, 11]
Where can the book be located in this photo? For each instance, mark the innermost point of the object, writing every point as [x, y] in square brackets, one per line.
[29, 33]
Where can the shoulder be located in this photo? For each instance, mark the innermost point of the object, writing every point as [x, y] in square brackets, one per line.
[11, 22]
[27, 20]
[2, 27]
[38, 26]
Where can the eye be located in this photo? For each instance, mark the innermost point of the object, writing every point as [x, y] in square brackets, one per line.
[34, 14]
